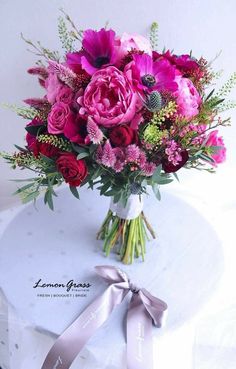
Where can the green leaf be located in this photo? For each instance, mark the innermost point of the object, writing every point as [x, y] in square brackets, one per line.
[117, 197]
[110, 193]
[74, 191]
[23, 180]
[210, 94]
[156, 191]
[78, 149]
[104, 188]
[48, 199]
[214, 102]
[157, 174]
[34, 130]
[206, 158]
[47, 159]
[21, 148]
[176, 176]
[82, 155]
[32, 196]
[22, 189]
[163, 181]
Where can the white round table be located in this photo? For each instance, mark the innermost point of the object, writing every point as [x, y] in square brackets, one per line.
[182, 266]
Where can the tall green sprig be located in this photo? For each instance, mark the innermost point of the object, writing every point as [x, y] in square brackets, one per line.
[154, 36]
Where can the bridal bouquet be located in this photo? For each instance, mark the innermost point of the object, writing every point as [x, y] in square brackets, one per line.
[119, 115]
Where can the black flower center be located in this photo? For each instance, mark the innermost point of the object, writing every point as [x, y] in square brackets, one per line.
[148, 80]
[101, 60]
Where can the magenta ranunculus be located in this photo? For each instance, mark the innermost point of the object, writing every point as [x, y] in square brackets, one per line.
[135, 42]
[148, 75]
[59, 117]
[109, 98]
[187, 98]
[100, 49]
[216, 142]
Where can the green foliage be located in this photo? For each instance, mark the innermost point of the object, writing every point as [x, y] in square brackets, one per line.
[75, 33]
[154, 36]
[38, 49]
[24, 112]
[227, 87]
[65, 36]
[153, 134]
[227, 105]
[56, 141]
[47, 176]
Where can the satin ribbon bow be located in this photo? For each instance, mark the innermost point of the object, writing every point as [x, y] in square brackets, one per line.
[144, 310]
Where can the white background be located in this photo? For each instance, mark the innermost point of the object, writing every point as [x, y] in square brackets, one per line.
[204, 26]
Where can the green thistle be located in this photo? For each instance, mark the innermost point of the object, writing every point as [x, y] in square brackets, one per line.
[154, 101]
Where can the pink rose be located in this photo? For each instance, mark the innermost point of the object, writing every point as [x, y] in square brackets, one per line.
[59, 117]
[135, 41]
[187, 98]
[65, 95]
[109, 98]
[218, 153]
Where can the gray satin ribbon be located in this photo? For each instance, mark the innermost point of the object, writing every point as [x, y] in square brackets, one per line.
[144, 311]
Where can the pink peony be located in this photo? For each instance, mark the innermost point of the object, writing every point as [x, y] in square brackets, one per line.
[109, 98]
[219, 152]
[187, 98]
[135, 41]
[58, 117]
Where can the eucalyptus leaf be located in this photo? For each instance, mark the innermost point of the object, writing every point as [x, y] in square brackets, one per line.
[82, 155]
[157, 174]
[156, 191]
[74, 191]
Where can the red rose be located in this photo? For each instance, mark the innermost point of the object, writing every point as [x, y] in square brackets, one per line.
[74, 171]
[43, 148]
[122, 136]
[47, 149]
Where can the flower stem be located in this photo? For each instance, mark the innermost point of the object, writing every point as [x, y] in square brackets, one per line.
[129, 234]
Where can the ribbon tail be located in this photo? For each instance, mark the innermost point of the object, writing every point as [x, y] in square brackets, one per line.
[139, 335]
[73, 339]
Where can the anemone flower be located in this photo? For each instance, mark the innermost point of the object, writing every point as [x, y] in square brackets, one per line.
[100, 49]
[154, 75]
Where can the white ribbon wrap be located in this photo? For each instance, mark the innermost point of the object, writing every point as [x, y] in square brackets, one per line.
[132, 209]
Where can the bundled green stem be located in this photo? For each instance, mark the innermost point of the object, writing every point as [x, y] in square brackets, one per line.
[129, 234]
